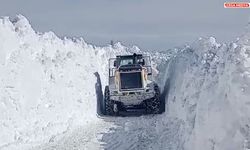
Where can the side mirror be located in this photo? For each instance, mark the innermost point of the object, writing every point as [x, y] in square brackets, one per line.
[115, 63]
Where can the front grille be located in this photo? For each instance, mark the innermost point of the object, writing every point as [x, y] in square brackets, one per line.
[130, 80]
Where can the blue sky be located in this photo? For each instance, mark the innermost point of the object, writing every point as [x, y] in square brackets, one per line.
[150, 24]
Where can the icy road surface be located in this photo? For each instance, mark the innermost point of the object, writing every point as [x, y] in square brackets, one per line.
[48, 91]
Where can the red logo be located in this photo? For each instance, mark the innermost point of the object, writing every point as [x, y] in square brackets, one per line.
[236, 5]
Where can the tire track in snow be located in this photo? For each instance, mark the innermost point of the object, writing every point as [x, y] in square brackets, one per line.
[126, 133]
[146, 132]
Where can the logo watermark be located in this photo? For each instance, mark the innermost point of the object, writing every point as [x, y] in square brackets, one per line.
[237, 5]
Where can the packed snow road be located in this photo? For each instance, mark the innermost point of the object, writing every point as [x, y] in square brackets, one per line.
[147, 132]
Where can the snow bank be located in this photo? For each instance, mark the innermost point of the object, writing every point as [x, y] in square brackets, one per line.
[47, 85]
[210, 91]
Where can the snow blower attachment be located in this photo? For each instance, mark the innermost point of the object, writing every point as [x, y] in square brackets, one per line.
[131, 88]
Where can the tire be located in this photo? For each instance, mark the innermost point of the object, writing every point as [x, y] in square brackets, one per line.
[108, 103]
[153, 105]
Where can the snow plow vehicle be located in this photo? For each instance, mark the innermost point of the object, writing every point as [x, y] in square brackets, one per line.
[131, 87]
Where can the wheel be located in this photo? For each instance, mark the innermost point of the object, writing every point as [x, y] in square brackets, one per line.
[153, 105]
[108, 103]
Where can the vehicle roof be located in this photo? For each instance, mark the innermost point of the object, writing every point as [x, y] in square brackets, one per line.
[140, 55]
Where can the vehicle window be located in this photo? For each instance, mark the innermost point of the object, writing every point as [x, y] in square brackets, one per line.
[126, 62]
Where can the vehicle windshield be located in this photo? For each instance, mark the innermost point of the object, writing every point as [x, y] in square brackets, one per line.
[127, 61]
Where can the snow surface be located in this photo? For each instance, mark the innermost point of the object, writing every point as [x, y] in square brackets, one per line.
[48, 95]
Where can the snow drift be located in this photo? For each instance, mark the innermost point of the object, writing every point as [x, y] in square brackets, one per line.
[210, 91]
[47, 84]
[47, 87]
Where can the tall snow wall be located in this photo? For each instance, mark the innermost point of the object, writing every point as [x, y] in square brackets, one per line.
[209, 89]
